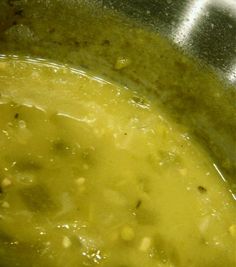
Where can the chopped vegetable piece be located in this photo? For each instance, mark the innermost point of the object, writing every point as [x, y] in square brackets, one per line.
[28, 165]
[6, 183]
[145, 244]
[66, 242]
[80, 181]
[127, 233]
[5, 205]
[122, 63]
[37, 198]
[232, 230]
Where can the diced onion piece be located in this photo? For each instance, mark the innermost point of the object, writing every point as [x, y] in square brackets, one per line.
[80, 181]
[127, 233]
[145, 244]
[66, 242]
[5, 205]
[6, 182]
[232, 230]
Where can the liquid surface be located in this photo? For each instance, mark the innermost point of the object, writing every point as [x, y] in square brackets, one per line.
[93, 174]
[189, 92]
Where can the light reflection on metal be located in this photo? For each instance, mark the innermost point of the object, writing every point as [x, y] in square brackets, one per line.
[228, 4]
[231, 75]
[219, 172]
[193, 14]
[191, 18]
[234, 195]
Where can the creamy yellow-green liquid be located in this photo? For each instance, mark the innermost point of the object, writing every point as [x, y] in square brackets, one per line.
[94, 174]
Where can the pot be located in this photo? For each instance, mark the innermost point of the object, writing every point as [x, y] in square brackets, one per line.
[169, 43]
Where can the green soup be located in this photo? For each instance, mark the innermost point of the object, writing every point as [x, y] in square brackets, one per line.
[94, 174]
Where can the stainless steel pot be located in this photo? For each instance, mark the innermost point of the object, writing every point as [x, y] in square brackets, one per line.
[92, 34]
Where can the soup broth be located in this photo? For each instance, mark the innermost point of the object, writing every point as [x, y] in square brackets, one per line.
[95, 174]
